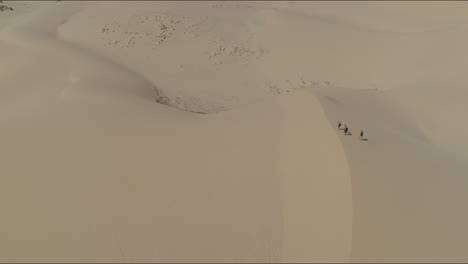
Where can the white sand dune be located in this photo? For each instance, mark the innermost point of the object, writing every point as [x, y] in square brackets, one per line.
[206, 132]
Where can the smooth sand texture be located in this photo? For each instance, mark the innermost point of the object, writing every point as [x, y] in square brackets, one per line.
[206, 132]
[407, 193]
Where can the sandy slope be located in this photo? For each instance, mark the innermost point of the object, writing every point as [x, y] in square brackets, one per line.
[93, 169]
[408, 194]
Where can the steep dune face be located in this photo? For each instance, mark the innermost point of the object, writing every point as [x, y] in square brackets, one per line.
[93, 169]
[408, 179]
[104, 159]
[407, 191]
[316, 186]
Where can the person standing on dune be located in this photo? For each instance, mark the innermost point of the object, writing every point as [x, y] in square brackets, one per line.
[339, 125]
[362, 134]
[346, 130]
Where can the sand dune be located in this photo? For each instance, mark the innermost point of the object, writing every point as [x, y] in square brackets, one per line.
[206, 132]
[407, 192]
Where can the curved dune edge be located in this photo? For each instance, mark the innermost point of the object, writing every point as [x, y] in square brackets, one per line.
[316, 185]
[99, 175]
[407, 192]
[94, 170]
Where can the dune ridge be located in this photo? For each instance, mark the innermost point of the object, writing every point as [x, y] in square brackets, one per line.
[113, 176]
[106, 157]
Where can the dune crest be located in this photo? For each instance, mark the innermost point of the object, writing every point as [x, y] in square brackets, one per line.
[139, 131]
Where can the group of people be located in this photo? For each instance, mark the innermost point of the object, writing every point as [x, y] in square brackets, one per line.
[347, 132]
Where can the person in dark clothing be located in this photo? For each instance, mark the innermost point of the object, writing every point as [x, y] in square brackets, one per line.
[339, 125]
[362, 133]
[346, 130]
